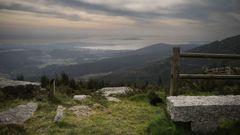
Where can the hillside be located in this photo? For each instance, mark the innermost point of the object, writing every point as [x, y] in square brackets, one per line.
[159, 71]
[30, 60]
[135, 112]
[130, 60]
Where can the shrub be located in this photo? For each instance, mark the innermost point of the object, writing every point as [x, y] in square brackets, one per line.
[73, 84]
[20, 77]
[19, 91]
[139, 97]
[12, 129]
[66, 89]
[44, 81]
[161, 126]
[99, 98]
[64, 78]
[154, 99]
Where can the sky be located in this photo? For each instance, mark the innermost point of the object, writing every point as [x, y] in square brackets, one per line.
[125, 24]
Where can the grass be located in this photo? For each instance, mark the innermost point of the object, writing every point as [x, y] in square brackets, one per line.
[127, 117]
[132, 116]
[11, 103]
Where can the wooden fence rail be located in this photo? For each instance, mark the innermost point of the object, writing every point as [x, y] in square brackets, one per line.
[208, 76]
[209, 55]
[175, 66]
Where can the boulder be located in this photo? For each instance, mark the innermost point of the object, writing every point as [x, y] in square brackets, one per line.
[13, 83]
[80, 97]
[60, 114]
[18, 89]
[98, 106]
[113, 99]
[81, 110]
[110, 91]
[19, 114]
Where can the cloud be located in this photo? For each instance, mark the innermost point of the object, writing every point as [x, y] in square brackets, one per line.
[181, 19]
[103, 9]
[138, 10]
[196, 10]
[45, 12]
[202, 9]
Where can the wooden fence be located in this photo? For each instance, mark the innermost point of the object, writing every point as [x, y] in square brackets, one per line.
[175, 66]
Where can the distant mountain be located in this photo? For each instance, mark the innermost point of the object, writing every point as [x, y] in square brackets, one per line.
[30, 60]
[159, 72]
[130, 60]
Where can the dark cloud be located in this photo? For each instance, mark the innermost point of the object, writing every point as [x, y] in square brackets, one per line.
[200, 10]
[56, 14]
[194, 10]
[104, 9]
[190, 10]
[211, 18]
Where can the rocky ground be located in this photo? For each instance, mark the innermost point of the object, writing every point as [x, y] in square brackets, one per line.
[111, 111]
[19, 114]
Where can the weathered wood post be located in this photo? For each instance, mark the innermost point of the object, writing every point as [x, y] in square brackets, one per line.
[52, 90]
[175, 72]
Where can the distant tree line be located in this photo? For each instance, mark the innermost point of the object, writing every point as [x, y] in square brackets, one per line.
[65, 80]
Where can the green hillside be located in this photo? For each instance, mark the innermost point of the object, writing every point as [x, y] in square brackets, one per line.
[161, 69]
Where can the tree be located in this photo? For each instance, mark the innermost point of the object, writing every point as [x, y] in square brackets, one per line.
[44, 81]
[92, 84]
[20, 77]
[64, 78]
[81, 84]
[160, 82]
[145, 85]
[73, 84]
[57, 81]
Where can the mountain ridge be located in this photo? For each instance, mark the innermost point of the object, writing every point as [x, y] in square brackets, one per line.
[160, 70]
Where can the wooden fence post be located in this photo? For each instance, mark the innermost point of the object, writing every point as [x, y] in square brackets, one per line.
[175, 62]
[52, 89]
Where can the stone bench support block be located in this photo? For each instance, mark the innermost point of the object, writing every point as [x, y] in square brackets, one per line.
[204, 112]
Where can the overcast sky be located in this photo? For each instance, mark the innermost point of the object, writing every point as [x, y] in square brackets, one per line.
[169, 21]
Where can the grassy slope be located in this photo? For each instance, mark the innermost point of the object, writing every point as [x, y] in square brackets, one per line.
[127, 117]
[133, 116]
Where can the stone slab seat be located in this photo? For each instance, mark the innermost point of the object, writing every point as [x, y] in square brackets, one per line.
[204, 112]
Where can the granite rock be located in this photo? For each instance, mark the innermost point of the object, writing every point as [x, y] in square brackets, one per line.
[19, 114]
[204, 112]
[60, 114]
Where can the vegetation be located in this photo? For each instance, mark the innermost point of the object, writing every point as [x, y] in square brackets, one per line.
[216, 87]
[20, 77]
[134, 115]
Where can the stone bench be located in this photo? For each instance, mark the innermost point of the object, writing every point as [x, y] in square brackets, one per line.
[204, 112]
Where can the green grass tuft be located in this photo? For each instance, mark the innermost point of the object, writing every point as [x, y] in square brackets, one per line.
[12, 129]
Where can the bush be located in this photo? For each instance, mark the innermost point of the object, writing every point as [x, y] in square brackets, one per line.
[161, 126]
[220, 87]
[19, 92]
[97, 97]
[73, 84]
[66, 89]
[44, 81]
[12, 129]
[139, 97]
[229, 127]
[154, 99]
[20, 77]
[64, 78]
